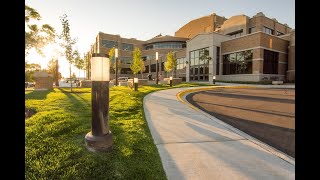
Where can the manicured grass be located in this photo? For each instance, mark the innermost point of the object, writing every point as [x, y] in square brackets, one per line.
[55, 146]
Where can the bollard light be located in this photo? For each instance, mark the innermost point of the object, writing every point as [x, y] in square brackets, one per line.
[170, 81]
[135, 82]
[100, 137]
[214, 79]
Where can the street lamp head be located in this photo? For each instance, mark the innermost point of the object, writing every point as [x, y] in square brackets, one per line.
[157, 56]
[116, 53]
[135, 80]
[214, 77]
[100, 68]
[170, 77]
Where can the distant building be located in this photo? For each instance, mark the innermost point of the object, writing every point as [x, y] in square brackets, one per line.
[241, 49]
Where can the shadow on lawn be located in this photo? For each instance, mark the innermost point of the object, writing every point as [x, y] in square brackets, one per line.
[132, 142]
[37, 94]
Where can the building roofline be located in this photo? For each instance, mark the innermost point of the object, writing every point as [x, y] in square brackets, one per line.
[253, 34]
[273, 19]
[120, 36]
[207, 34]
[196, 19]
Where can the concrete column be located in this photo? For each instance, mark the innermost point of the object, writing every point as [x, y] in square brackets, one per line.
[187, 67]
[221, 64]
[212, 62]
[291, 58]
[257, 62]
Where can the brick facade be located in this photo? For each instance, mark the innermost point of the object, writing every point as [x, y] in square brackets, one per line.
[231, 35]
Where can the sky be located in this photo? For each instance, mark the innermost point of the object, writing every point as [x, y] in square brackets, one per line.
[140, 19]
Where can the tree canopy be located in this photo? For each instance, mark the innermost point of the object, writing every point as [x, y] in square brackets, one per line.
[137, 60]
[204, 56]
[30, 69]
[36, 37]
[68, 43]
[171, 63]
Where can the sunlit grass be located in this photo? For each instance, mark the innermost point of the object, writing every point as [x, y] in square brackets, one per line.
[54, 141]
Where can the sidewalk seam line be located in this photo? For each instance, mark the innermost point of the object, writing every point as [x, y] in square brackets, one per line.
[201, 141]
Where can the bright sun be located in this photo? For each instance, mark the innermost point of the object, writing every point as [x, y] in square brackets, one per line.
[52, 51]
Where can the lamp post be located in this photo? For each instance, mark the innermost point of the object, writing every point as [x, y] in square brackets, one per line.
[170, 81]
[214, 80]
[100, 137]
[116, 57]
[157, 57]
[135, 82]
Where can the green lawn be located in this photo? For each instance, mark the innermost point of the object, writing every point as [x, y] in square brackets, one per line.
[54, 141]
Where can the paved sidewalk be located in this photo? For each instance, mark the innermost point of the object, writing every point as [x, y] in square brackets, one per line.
[290, 86]
[193, 146]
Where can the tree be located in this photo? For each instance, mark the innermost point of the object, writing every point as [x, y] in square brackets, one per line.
[111, 57]
[67, 42]
[36, 37]
[204, 56]
[143, 68]
[136, 63]
[29, 70]
[52, 68]
[171, 63]
[88, 65]
[78, 61]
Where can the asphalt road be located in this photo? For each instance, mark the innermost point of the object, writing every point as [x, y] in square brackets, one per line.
[266, 114]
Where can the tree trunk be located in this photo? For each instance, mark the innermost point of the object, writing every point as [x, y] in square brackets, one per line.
[70, 79]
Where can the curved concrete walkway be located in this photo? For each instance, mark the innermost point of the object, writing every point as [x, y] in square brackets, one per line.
[194, 146]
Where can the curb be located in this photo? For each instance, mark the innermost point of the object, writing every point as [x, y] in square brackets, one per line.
[182, 98]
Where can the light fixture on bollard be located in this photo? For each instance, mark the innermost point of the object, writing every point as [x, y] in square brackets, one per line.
[100, 137]
[214, 79]
[170, 81]
[135, 82]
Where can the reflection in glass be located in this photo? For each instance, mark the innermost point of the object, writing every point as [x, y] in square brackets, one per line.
[238, 63]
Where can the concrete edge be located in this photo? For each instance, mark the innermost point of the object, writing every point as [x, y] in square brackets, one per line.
[182, 97]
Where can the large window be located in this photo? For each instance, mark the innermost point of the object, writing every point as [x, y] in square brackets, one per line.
[126, 60]
[181, 63]
[109, 44]
[153, 68]
[166, 45]
[126, 71]
[127, 47]
[162, 66]
[268, 30]
[150, 57]
[236, 33]
[238, 63]
[199, 67]
[270, 62]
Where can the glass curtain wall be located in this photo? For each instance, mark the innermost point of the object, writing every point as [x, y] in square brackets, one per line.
[238, 63]
[199, 69]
